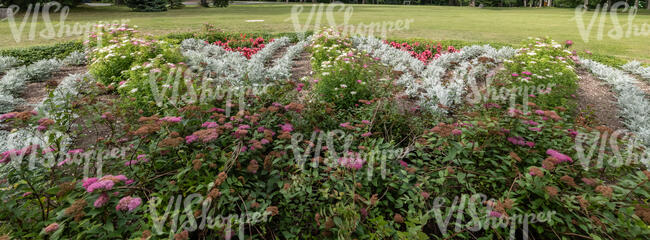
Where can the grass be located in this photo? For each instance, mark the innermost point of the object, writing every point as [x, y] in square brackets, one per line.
[506, 25]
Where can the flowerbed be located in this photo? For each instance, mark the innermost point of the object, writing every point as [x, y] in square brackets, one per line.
[373, 144]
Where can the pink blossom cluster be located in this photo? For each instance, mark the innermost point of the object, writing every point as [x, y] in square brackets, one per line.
[128, 203]
[105, 183]
[520, 141]
[559, 156]
[352, 160]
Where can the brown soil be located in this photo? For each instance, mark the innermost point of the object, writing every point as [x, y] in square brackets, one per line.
[276, 55]
[89, 133]
[301, 66]
[35, 92]
[598, 99]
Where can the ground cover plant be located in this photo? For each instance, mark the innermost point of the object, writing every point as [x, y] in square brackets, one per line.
[217, 135]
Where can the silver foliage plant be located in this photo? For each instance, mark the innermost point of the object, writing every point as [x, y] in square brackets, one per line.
[635, 67]
[635, 108]
[15, 81]
[282, 66]
[64, 92]
[7, 63]
[227, 66]
[77, 58]
[431, 90]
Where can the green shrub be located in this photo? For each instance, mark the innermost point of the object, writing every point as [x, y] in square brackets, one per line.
[30, 55]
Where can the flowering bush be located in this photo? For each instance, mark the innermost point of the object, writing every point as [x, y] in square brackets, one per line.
[347, 152]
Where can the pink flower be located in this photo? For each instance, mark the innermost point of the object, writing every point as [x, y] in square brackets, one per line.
[495, 214]
[171, 119]
[568, 43]
[128, 203]
[366, 134]
[51, 228]
[527, 73]
[539, 112]
[101, 200]
[8, 116]
[75, 151]
[210, 125]
[287, 127]
[530, 144]
[352, 160]
[534, 129]
[86, 182]
[345, 125]
[559, 156]
[515, 75]
[425, 195]
[456, 132]
[264, 141]
[365, 122]
[191, 138]
[102, 184]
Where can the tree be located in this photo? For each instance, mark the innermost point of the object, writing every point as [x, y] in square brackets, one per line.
[176, 4]
[23, 4]
[147, 5]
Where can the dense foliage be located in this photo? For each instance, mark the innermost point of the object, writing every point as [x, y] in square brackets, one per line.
[203, 141]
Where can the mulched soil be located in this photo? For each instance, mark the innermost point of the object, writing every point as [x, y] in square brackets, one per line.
[37, 91]
[596, 97]
[301, 66]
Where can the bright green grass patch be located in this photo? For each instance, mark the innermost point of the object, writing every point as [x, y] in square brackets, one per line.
[506, 25]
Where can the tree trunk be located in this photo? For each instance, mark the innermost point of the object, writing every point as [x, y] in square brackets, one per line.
[473, 3]
[540, 3]
[586, 4]
[525, 3]
[636, 4]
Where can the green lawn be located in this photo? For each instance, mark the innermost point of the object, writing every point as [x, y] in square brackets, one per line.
[508, 25]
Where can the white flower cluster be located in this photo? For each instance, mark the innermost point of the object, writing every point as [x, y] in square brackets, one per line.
[636, 68]
[635, 108]
[77, 58]
[229, 66]
[427, 83]
[282, 67]
[15, 81]
[7, 63]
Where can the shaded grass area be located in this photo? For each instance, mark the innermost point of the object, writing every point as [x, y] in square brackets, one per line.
[504, 25]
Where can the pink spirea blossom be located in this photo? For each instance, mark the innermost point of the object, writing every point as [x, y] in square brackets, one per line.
[559, 156]
[128, 203]
[210, 125]
[103, 184]
[171, 119]
[352, 160]
[495, 214]
[287, 127]
[365, 122]
[8, 116]
[456, 132]
[367, 134]
[51, 228]
[191, 138]
[101, 200]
